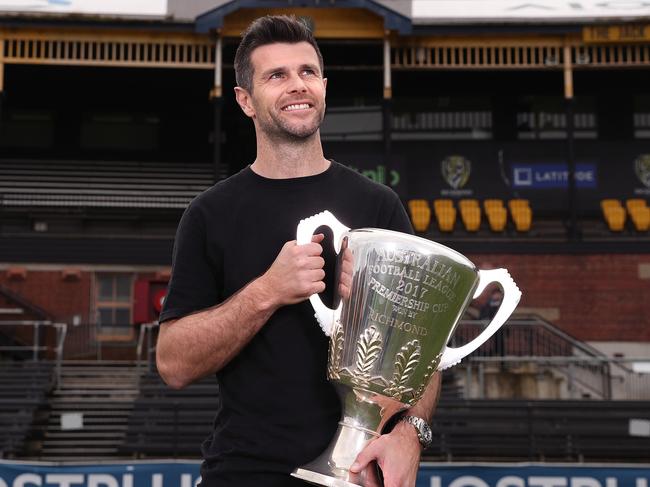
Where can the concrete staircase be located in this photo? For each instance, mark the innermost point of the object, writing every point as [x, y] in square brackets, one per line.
[90, 411]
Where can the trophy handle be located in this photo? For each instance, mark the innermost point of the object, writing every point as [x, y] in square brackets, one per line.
[306, 228]
[511, 296]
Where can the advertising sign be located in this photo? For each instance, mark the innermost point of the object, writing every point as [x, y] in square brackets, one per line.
[553, 176]
[169, 473]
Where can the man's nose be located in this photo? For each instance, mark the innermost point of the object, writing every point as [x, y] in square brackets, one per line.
[296, 84]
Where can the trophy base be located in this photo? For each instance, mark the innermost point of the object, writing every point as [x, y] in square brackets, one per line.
[321, 479]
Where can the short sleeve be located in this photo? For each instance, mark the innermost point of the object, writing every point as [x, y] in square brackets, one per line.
[399, 220]
[196, 280]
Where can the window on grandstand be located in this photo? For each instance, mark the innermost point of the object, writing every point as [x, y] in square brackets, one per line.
[642, 117]
[442, 118]
[27, 129]
[352, 120]
[113, 305]
[544, 117]
[120, 131]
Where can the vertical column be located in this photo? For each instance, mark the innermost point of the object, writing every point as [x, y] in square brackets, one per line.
[216, 97]
[570, 154]
[387, 112]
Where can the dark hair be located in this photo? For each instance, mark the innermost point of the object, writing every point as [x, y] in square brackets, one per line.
[269, 30]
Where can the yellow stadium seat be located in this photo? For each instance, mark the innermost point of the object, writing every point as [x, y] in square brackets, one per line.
[614, 214]
[442, 203]
[640, 216]
[610, 203]
[468, 203]
[497, 215]
[470, 214]
[521, 214]
[446, 215]
[635, 203]
[492, 203]
[420, 214]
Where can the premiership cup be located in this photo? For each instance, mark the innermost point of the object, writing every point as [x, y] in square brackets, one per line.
[400, 301]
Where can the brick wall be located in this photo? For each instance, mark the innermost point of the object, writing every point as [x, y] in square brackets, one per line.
[592, 297]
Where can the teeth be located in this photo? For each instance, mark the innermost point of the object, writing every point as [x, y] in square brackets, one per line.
[301, 106]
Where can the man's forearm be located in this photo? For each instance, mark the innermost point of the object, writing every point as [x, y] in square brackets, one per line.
[425, 407]
[202, 343]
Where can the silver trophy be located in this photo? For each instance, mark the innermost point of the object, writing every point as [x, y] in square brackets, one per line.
[399, 300]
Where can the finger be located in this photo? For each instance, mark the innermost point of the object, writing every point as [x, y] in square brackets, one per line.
[316, 263]
[318, 237]
[367, 455]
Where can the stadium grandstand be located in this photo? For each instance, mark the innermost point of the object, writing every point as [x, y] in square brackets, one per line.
[515, 132]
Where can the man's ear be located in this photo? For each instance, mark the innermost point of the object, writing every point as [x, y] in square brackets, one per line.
[244, 101]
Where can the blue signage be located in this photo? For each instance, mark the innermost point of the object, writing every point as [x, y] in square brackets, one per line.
[532, 475]
[552, 176]
[170, 473]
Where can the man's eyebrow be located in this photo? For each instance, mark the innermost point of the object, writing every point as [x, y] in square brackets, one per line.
[278, 69]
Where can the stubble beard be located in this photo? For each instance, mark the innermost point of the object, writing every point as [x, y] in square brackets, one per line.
[281, 130]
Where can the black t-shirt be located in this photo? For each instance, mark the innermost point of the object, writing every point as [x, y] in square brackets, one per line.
[277, 411]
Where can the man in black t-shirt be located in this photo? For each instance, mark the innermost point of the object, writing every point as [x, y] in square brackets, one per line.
[236, 304]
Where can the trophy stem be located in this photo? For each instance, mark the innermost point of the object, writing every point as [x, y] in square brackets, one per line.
[332, 467]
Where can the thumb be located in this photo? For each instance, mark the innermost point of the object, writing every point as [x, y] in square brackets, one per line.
[367, 455]
[318, 237]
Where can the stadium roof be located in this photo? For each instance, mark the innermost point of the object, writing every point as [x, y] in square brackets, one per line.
[399, 15]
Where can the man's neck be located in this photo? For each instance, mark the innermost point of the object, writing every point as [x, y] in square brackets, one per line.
[289, 159]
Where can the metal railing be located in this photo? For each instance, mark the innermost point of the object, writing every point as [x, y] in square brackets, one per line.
[30, 340]
[534, 342]
[146, 345]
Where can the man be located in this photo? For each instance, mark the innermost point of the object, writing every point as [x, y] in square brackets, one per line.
[236, 304]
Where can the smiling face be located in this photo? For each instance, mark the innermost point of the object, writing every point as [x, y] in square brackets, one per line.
[287, 100]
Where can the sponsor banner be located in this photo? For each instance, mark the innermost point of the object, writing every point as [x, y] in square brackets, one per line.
[138, 8]
[514, 10]
[170, 473]
[166, 473]
[532, 475]
[553, 176]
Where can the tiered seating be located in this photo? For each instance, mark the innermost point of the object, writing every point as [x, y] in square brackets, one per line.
[23, 390]
[101, 184]
[470, 214]
[168, 422]
[615, 214]
[538, 430]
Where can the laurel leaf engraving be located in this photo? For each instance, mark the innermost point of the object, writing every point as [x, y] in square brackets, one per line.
[368, 349]
[336, 352]
[407, 360]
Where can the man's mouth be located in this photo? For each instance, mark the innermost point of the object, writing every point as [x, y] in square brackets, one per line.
[296, 106]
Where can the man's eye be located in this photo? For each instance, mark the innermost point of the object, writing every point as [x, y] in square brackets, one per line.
[276, 75]
[309, 72]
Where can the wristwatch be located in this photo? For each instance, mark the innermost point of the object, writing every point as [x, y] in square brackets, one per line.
[422, 428]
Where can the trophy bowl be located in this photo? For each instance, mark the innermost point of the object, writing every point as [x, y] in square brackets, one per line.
[401, 300]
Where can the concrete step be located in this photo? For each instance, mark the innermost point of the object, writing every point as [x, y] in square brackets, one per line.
[79, 435]
[121, 427]
[66, 450]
